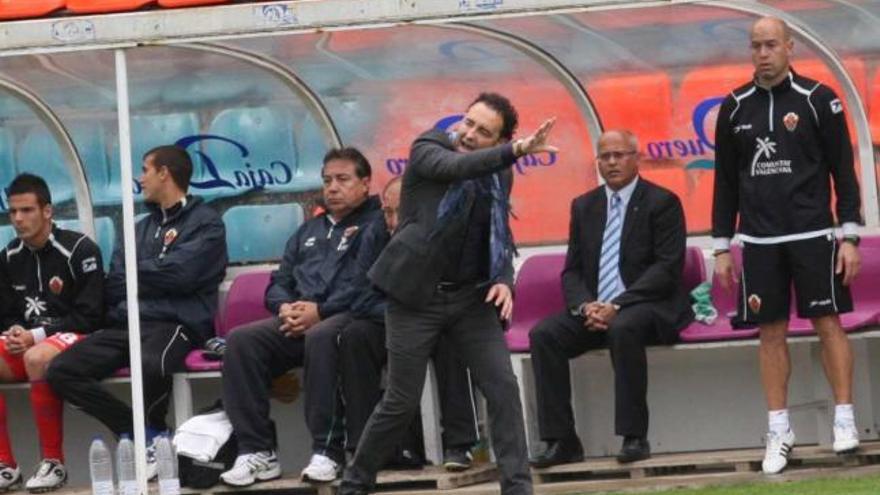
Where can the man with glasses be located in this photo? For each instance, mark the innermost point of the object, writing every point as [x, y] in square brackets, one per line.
[623, 290]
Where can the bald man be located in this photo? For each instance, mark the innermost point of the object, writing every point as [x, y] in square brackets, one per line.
[623, 289]
[779, 139]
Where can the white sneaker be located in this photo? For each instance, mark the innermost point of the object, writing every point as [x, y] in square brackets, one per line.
[250, 468]
[320, 468]
[49, 475]
[778, 449]
[846, 438]
[152, 465]
[10, 477]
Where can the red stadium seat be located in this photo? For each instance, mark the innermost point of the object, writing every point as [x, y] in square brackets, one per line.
[24, 9]
[105, 6]
[188, 3]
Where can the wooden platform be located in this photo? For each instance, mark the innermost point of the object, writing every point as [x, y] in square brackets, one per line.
[600, 475]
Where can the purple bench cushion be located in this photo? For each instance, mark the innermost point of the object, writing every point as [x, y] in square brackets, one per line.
[539, 292]
[195, 362]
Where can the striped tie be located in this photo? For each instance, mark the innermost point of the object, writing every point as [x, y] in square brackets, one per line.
[610, 259]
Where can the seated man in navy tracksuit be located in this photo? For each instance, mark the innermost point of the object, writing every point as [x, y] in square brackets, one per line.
[363, 355]
[181, 260]
[309, 295]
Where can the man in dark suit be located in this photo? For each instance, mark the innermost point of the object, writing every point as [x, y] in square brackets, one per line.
[448, 271]
[622, 283]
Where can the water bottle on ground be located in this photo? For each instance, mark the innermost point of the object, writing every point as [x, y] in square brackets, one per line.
[125, 470]
[101, 468]
[166, 459]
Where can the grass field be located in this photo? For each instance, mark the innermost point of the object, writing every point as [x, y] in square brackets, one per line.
[857, 486]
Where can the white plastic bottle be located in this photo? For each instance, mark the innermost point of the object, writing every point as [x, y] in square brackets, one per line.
[101, 468]
[125, 470]
[169, 483]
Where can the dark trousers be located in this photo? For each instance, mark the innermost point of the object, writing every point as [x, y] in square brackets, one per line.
[362, 357]
[562, 337]
[75, 374]
[259, 352]
[476, 335]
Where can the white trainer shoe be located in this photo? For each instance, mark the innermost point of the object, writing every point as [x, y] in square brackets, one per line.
[152, 465]
[778, 449]
[846, 438]
[49, 475]
[10, 477]
[250, 468]
[321, 468]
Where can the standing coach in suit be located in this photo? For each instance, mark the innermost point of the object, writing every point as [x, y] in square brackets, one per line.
[448, 271]
[623, 289]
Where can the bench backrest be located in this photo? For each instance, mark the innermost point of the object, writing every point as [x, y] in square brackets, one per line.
[539, 292]
[244, 302]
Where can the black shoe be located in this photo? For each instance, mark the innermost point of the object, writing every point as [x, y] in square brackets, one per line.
[351, 488]
[457, 459]
[634, 449]
[405, 459]
[560, 452]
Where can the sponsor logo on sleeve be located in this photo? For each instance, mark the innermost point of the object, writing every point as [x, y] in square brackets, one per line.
[89, 264]
[836, 106]
[310, 242]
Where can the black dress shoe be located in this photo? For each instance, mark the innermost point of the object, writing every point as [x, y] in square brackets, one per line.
[405, 459]
[560, 452]
[457, 459]
[634, 449]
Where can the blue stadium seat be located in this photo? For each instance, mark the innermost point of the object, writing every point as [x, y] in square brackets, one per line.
[7, 172]
[147, 132]
[260, 232]
[7, 233]
[40, 153]
[105, 233]
[264, 155]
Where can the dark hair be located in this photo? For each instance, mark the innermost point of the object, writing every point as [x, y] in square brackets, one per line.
[349, 153]
[499, 103]
[176, 160]
[30, 183]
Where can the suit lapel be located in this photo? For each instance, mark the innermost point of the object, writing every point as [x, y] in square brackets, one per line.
[633, 210]
[594, 228]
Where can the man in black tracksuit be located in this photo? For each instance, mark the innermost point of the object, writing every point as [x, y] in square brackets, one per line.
[779, 139]
[363, 355]
[51, 296]
[181, 261]
[310, 293]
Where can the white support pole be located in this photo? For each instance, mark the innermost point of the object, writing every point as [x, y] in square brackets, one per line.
[131, 281]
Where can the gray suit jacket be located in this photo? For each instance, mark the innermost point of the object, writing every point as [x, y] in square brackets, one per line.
[410, 266]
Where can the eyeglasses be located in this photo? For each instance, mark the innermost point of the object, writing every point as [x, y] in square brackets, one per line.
[616, 155]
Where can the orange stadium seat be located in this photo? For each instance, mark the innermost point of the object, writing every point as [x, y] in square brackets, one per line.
[188, 3]
[641, 102]
[105, 6]
[24, 9]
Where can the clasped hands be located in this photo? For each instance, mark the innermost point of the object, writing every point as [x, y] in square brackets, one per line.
[297, 317]
[598, 315]
[18, 339]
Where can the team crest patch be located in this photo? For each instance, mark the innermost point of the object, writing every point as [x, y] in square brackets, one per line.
[56, 285]
[170, 235]
[350, 231]
[755, 303]
[791, 121]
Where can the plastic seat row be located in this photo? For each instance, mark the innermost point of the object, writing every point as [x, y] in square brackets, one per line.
[539, 294]
[26, 9]
[243, 149]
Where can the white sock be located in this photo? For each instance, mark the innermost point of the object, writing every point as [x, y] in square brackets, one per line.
[778, 421]
[843, 414]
